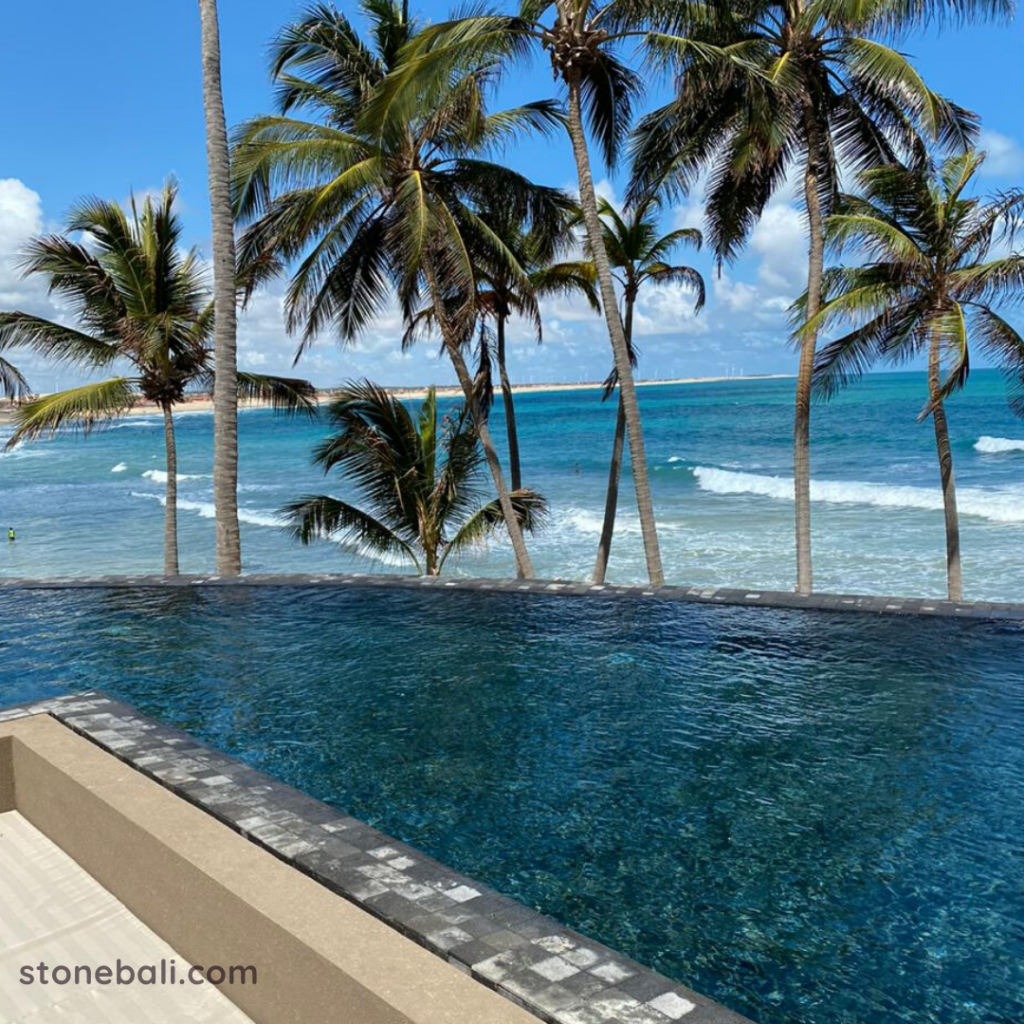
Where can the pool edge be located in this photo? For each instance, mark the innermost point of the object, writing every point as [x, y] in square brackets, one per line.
[750, 597]
[551, 971]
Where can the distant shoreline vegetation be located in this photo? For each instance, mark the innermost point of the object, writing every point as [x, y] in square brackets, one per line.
[204, 402]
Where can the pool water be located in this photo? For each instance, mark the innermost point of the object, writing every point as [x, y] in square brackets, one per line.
[813, 818]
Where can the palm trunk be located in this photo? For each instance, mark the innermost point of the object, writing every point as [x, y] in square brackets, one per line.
[611, 501]
[225, 386]
[524, 567]
[514, 466]
[627, 387]
[805, 371]
[954, 578]
[171, 503]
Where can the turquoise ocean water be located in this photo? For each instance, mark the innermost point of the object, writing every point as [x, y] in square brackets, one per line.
[720, 462]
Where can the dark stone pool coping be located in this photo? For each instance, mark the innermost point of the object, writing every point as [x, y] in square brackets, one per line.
[748, 597]
[556, 974]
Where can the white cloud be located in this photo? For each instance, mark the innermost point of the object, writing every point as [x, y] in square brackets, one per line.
[1005, 155]
[21, 217]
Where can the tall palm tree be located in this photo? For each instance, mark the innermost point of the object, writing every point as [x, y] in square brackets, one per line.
[766, 88]
[225, 394]
[928, 289]
[140, 300]
[581, 38]
[417, 480]
[363, 201]
[638, 255]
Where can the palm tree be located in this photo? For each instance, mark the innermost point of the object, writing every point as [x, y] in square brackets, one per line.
[581, 38]
[138, 299]
[771, 87]
[928, 289]
[638, 254]
[225, 393]
[364, 202]
[416, 477]
[502, 296]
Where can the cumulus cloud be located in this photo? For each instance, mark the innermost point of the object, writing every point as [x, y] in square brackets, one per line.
[1005, 155]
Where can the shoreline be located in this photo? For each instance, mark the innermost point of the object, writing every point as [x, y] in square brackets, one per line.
[204, 404]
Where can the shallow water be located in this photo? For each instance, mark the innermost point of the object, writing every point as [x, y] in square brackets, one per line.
[720, 459]
[814, 818]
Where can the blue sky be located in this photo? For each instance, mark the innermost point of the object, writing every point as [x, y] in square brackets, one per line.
[106, 97]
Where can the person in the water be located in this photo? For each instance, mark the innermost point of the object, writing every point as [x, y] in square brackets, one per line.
[11, 535]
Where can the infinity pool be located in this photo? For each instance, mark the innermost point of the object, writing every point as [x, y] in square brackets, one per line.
[813, 818]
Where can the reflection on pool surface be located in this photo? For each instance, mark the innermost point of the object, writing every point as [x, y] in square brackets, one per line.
[813, 818]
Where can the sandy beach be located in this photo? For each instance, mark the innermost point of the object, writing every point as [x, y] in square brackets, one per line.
[204, 403]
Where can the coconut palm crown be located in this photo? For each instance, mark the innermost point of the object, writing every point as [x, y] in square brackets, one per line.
[368, 206]
[930, 289]
[417, 478]
[584, 41]
[140, 301]
[503, 296]
[769, 89]
[638, 254]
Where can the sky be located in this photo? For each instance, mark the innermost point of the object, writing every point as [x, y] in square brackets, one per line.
[106, 98]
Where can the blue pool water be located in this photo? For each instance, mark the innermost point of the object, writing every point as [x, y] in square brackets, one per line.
[813, 818]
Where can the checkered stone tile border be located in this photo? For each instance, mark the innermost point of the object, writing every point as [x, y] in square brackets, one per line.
[690, 595]
[556, 974]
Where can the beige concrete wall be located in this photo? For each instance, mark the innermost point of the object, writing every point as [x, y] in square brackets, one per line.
[219, 899]
[6, 774]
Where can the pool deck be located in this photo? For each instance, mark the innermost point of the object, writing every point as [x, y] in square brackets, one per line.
[750, 598]
[54, 912]
[552, 972]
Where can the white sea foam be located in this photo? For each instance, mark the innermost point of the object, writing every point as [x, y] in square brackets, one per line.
[119, 468]
[590, 522]
[999, 506]
[159, 476]
[135, 424]
[207, 510]
[998, 445]
[23, 451]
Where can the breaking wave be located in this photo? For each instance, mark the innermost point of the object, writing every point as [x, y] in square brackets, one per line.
[119, 468]
[998, 445]
[207, 510]
[159, 476]
[998, 506]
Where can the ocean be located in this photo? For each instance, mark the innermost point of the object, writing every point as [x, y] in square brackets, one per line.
[721, 474]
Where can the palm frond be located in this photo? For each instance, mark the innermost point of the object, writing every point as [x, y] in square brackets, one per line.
[12, 382]
[530, 510]
[285, 394]
[322, 517]
[82, 408]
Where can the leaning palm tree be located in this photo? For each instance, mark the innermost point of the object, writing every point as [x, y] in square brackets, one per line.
[582, 40]
[138, 299]
[638, 256]
[417, 479]
[362, 201]
[501, 296]
[770, 88]
[928, 289]
[225, 396]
